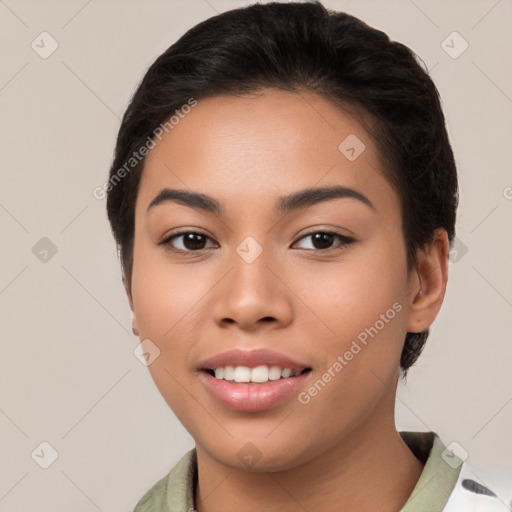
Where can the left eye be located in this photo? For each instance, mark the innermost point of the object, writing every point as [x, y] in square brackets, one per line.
[192, 241]
[323, 240]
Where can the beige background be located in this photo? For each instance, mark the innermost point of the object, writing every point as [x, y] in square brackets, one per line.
[68, 375]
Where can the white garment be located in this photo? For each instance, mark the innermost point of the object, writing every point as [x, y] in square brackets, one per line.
[478, 491]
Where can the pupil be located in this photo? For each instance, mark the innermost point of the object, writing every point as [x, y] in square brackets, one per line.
[322, 240]
[193, 241]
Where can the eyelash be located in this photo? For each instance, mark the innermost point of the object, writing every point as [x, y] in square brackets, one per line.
[345, 241]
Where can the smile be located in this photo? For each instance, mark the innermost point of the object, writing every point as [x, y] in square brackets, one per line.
[258, 374]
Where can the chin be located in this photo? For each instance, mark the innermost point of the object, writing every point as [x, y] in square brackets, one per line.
[260, 455]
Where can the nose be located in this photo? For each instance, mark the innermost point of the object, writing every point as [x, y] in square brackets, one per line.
[253, 295]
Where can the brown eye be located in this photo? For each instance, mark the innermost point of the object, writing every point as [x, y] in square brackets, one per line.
[323, 240]
[188, 241]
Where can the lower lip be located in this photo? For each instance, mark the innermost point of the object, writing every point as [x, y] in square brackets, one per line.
[253, 396]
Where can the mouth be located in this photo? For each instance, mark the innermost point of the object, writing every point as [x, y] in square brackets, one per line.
[257, 374]
[253, 380]
[256, 389]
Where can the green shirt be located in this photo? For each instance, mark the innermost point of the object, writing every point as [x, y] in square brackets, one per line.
[175, 492]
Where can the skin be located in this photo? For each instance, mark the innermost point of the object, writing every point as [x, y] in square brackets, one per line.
[341, 451]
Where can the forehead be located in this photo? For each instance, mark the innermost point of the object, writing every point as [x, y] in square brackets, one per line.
[251, 147]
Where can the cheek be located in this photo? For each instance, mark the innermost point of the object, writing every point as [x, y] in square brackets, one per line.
[164, 294]
[352, 295]
[361, 303]
[167, 301]
[363, 323]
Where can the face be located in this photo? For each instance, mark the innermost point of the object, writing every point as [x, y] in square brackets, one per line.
[320, 280]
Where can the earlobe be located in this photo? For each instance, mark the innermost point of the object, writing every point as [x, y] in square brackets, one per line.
[429, 286]
[135, 329]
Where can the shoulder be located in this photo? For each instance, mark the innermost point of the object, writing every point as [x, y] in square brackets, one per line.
[449, 484]
[175, 491]
[154, 498]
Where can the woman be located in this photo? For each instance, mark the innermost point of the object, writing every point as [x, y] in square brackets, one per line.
[283, 196]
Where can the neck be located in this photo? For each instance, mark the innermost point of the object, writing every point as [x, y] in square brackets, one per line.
[372, 469]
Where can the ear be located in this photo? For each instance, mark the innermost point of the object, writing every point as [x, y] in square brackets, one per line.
[428, 282]
[127, 287]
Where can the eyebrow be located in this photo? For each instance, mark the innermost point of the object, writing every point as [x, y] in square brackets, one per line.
[299, 200]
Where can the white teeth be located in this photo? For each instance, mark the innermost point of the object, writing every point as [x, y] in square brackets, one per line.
[229, 373]
[274, 373]
[259, 374]
[286, 373]
[242, 374]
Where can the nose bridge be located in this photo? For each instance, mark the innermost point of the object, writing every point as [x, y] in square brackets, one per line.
[251, 290]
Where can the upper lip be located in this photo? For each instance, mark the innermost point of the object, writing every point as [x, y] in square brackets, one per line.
[251, 358]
